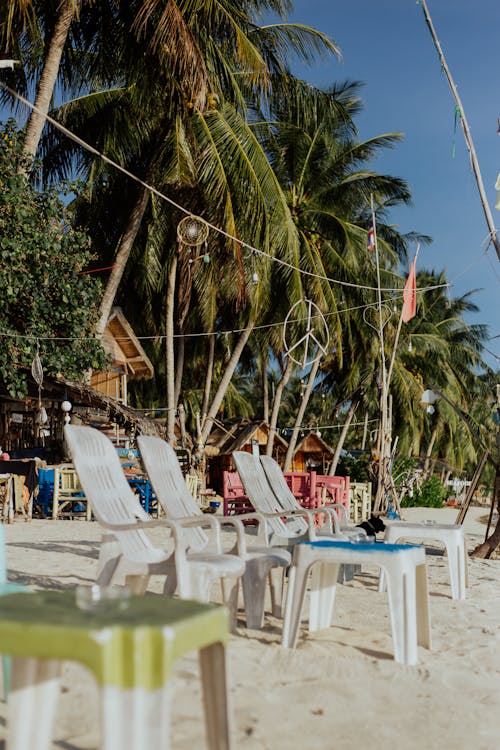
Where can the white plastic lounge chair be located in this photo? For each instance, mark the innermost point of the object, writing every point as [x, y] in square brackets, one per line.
[288, 502]
[287, 520]
[127, 548]
[165, 475]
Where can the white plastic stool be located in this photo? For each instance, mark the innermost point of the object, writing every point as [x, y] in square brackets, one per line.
[451, 535]
[404, 566]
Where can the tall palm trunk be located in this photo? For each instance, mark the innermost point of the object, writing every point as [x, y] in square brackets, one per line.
[265, 389]
[276, 406]
[208, 379]
[342, 437]
[300, 416]
[49, 75]
[179, 367]
[122, 255]
[427, 462]
[169, 350]
[224, 383]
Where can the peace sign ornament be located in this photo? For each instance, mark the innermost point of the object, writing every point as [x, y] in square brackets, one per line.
[311, 332]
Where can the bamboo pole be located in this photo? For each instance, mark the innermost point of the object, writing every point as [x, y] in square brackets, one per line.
[382, 440]
[467, 134]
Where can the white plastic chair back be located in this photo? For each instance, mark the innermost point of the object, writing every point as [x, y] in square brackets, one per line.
[167, 480]
[283, 492]
[262, 497]
[106, 488]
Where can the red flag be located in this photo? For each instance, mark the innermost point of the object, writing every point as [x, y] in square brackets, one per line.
[371, 238]
[410, 294]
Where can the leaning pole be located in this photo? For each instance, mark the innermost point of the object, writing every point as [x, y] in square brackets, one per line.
[466, 131]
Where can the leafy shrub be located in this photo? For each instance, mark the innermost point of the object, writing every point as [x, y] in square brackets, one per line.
[44, 293]
[431, 494]
[355, 467]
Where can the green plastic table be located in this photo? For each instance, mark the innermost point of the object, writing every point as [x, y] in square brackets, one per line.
[131, 652]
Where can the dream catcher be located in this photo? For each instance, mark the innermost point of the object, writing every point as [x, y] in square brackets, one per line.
[192, 234]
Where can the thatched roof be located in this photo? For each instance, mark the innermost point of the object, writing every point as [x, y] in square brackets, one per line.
[234, 435]
[83, 397]
[120, 341]
[313, 443]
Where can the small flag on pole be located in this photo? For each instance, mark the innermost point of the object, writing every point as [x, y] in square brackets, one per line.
[371, 237]
[410, 294]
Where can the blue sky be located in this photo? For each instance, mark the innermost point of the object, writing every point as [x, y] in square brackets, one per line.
[387, 45]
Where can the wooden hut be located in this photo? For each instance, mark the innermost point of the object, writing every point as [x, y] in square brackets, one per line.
[237, 435]
[129, 360]
[312, 454]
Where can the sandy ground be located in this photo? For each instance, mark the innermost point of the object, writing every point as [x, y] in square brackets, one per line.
[339, 689]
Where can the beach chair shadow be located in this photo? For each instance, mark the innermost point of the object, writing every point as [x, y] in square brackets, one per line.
[262, 562]
[127, 549]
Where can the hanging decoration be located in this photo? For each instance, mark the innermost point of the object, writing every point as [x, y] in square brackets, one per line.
[311, 334]
[37, 374]
[192, 234]
[66, 407]
[372, 317]
[192, 231]
[255, 275]
[37, 371]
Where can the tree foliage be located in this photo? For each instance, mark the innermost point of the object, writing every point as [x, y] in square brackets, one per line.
[45, 299]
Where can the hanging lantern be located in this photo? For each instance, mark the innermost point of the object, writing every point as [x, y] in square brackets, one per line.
[66, 407]
[428, 398]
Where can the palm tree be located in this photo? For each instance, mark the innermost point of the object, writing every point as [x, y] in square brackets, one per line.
[311, 139]
[445, 352]
[210, 149]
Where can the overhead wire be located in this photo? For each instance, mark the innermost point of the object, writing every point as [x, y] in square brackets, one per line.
[242, 243]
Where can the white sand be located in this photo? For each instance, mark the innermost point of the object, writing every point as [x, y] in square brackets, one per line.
[339, 689]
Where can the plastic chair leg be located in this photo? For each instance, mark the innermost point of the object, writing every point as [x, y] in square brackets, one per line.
[230, 587]
[401, 590]
[458, 567]
[322, 597]
[277, 586]
[215, 696]
[422, 604]
[135, 718]
[32, 703]
[297, 583]
[253, 584]
[110, 556]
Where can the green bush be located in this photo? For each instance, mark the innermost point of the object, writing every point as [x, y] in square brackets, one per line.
[431, 494]
[355, 467]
